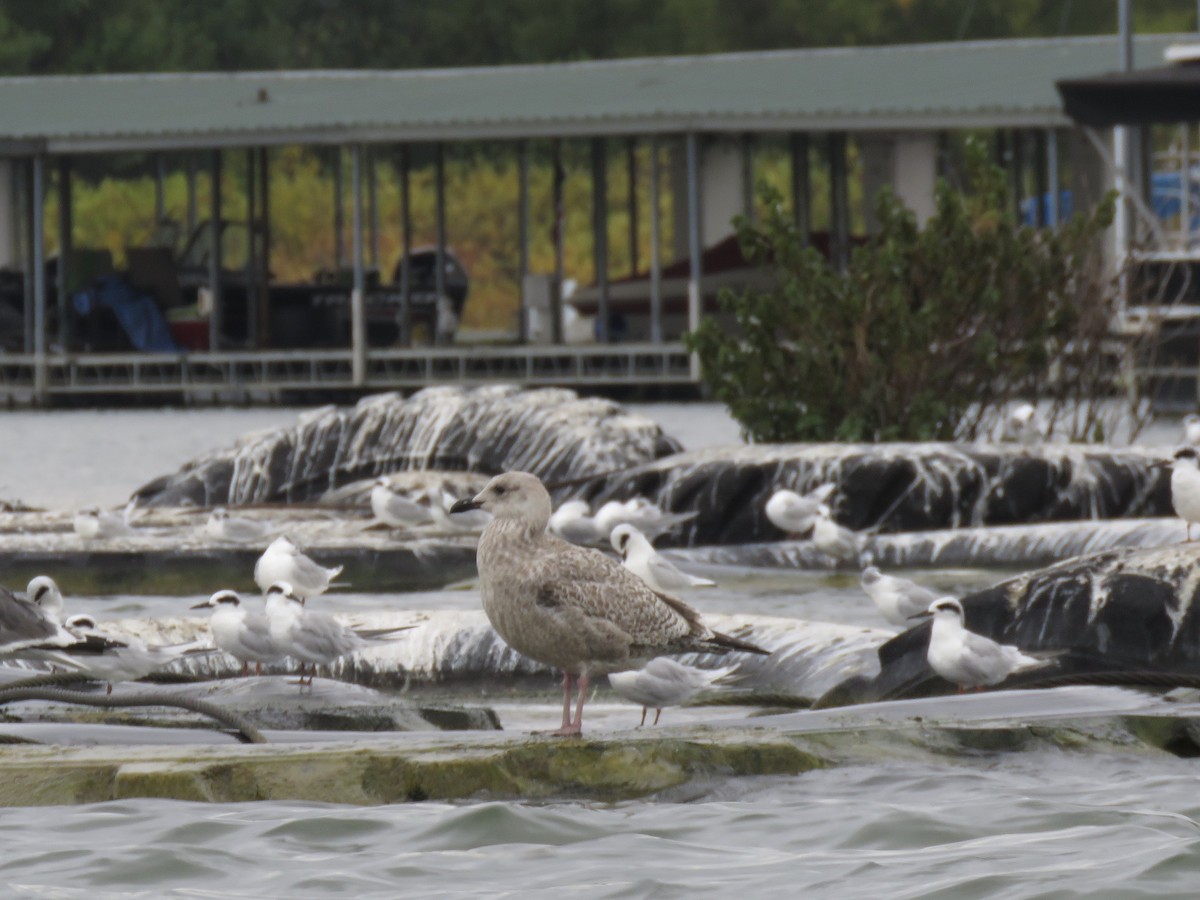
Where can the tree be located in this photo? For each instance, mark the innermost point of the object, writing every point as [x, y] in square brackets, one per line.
[927, 334]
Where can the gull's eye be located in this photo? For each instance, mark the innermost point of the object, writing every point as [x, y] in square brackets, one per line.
[498, 491]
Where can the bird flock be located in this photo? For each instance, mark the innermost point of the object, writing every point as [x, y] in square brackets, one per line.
[35, 627]
[546, 586]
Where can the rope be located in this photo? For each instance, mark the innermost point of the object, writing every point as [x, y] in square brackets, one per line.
[245, 732]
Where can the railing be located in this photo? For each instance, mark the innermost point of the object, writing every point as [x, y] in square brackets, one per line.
[207, 374]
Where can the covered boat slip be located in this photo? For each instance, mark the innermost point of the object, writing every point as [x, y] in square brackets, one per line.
[876, 115]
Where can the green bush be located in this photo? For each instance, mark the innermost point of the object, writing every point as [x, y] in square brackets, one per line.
[928, 332]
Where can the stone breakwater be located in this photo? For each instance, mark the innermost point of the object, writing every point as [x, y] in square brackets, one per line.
[552, 433]
[1131, 611]
[896, 487]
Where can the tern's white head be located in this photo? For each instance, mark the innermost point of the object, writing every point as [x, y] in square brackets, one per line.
[870, 575]
[220, 514]
[45, 593]
[284, 590]
[944, 609]
[220, 600]
[624, 538]
[824, 512]
[284, 545]
[517, 496]
[1186, 458]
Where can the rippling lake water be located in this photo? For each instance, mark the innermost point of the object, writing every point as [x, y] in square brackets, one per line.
[1018, 824]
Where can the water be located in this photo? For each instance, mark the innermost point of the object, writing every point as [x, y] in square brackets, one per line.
[1032, 824]
[1039, 825]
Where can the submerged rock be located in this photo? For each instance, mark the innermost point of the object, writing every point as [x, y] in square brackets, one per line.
[896, 487]
[552, 433]
[1130, 611]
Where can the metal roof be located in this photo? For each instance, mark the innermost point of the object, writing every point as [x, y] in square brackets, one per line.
[908, 87]
[1170, 94]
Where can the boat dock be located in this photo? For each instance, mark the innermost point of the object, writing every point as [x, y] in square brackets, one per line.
[199, 377]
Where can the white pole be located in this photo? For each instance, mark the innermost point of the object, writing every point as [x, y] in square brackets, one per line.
[358, 307]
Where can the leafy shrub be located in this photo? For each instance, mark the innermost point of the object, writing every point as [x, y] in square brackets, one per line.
[928, 333]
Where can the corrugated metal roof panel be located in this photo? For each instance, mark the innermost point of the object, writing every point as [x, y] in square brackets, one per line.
[922, 86]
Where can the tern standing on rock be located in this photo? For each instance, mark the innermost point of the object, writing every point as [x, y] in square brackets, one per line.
[283, 561]
[315, 638]
[965, 658]
[221, 526]
[1185, 486]
[243, 634]
[570, 607]
[649, 565]
[898, 599]
[664, 682]
[396, 510]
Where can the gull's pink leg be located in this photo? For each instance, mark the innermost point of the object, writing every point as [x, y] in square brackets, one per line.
[657, 713]
[577, 725]
[258, 668]
[245, 669]
[568, 684]
[643, 722]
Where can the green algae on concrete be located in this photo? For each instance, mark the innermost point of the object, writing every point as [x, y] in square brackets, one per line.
[373, 773]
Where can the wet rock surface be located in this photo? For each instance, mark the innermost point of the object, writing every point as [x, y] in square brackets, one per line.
[552, 433]
[896, 487]
[1125, 611]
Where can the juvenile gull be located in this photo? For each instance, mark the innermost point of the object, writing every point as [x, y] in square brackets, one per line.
[571, 607]
[315, 638]
[396, 510]
[221, 526]
[649, 565]
[283, 561]
[968, 659]
[242, 633]
[793, 513]
[664, 682]
[898, 599]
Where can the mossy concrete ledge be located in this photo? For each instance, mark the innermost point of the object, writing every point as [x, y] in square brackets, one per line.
[379, 772]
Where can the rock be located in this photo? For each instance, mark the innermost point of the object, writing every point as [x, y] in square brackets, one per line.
[275, 702]
[1129, 611]
[552, 433]
[1000, 546]
[410, 770]
[896, 487]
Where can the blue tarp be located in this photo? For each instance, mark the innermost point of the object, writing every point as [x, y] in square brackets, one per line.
[136, 312]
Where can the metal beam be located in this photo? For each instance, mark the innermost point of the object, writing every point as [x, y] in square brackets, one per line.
[25, 194]
[439, 275]
[695, 261]
[839, 202]
[656, 330]
[746, 144]
[631, 171]
[160, 200]
[358, 304]
[600, 233]
[39, 280]
[405, 250]
[264, 207]
[1041, 179]
[560, 221]
[191, 197]
[339, 211]
[801, 186]
[63, 270]
[372, 208]
[1053, 213]
[522, 237]
[252, 297]
[214, 251]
